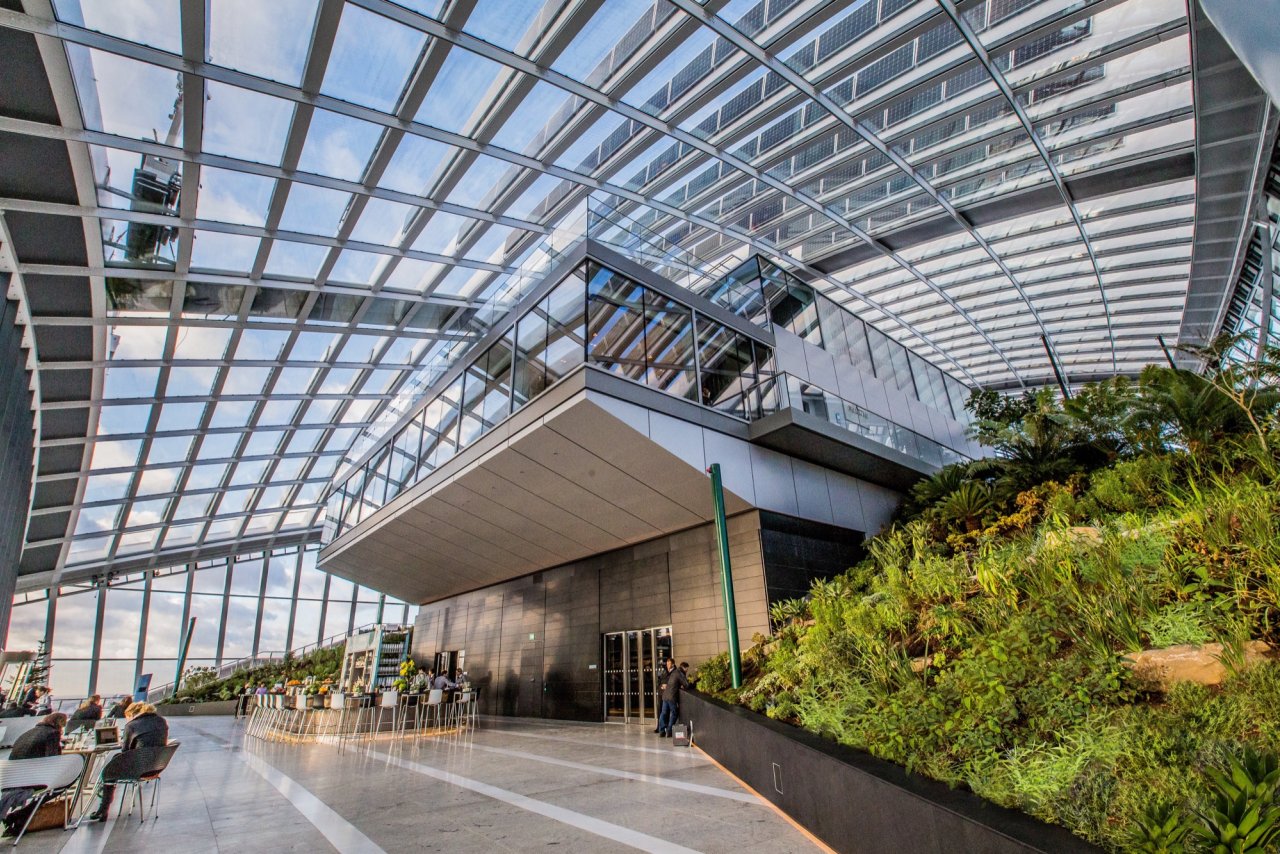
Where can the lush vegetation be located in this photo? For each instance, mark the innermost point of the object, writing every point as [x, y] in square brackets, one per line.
[201, 684]
[982, 642]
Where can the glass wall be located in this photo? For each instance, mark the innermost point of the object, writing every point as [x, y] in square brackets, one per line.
[597, 316]
[768, 296]
[256, 604]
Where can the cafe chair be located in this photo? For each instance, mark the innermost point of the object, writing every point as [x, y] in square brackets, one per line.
[152, 777]
[49, 776]
[131, 769]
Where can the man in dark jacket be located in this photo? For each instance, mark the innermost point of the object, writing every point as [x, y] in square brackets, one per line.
[145, 729]
[43, 739]
[675, 682]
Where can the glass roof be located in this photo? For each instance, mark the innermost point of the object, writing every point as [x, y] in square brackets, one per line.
[309, 201]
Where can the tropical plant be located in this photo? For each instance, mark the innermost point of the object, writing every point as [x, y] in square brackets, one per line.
[983, 641]
[966, 505]
[1163, 829]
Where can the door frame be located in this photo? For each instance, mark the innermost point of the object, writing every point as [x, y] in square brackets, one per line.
[645, 637]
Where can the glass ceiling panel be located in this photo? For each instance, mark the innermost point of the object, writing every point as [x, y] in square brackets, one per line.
[371, 59]
[245, 124]
[1103, 91]
[457, 91]
[264, 39]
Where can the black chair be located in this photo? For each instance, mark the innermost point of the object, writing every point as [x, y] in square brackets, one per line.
[153, 776]
[75, 726]
[130, 769]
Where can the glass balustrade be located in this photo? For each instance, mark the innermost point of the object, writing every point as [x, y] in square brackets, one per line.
[600, 317]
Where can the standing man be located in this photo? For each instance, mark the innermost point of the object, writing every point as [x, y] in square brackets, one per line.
[675, 681]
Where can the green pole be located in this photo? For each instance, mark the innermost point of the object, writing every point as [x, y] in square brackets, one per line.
[182, 656]
[726, 575]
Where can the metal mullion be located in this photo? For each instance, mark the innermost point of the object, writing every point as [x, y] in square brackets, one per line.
[211, 398]
[770, 62]
[153, 419]
[293, 601]
[241, 514]
[321, 45]
[95, 654]
[975, 44]
[274, 459]
[324, 606]
[226, 604]
[351, 615]
[193, 455]
[143, 620]
[562, 173]
[434, 28]
[187, 223]
[221, 363]
[262, 600]
[26, 127]
[53, 320]
[50, 478]
[50, 621]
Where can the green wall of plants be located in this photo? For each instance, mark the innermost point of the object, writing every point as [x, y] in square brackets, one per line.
[982, 642]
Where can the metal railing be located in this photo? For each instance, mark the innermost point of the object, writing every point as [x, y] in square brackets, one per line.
[229, 669]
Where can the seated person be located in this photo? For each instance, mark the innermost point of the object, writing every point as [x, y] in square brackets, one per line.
[43, 739]
[90, 709]
[121, 707]
[145, 729]
[443, 682]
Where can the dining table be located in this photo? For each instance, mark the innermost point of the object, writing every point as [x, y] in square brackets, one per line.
[84, 744]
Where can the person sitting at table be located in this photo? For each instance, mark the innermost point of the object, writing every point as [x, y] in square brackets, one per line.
[145, 729]
[121, 707]
[45, 704]
[90, 709]
[43, 739]
[443, 682]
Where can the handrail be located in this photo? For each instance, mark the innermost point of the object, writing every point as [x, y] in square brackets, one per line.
[268, 657]
[796, 393]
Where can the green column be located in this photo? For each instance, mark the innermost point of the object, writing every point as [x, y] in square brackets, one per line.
[726, 575]
[182, 654]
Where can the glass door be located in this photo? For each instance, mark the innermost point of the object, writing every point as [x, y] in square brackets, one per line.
[632, 662]
[615, 703]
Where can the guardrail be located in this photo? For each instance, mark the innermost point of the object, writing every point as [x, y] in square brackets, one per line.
[270, 657]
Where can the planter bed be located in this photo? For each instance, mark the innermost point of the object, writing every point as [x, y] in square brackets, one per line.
[855, 802]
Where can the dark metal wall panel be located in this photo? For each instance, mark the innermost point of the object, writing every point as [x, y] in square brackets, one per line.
[798, 552]
[534, 644]
[17, 443]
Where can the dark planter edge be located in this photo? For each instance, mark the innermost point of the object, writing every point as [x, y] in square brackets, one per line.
[1006, 822]
[208, 707]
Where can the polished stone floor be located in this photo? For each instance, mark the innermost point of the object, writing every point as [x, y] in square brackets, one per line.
[513, 785]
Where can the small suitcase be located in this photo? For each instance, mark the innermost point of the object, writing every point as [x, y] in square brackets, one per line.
[682, 734]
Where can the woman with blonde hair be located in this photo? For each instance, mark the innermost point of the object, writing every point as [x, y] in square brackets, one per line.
[145, 729]
[90, 709]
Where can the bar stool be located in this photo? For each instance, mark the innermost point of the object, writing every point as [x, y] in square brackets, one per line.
[458, 709]
[387, 700]
[409, 703]
[338, 716]
[434, 701]
[353, 722]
